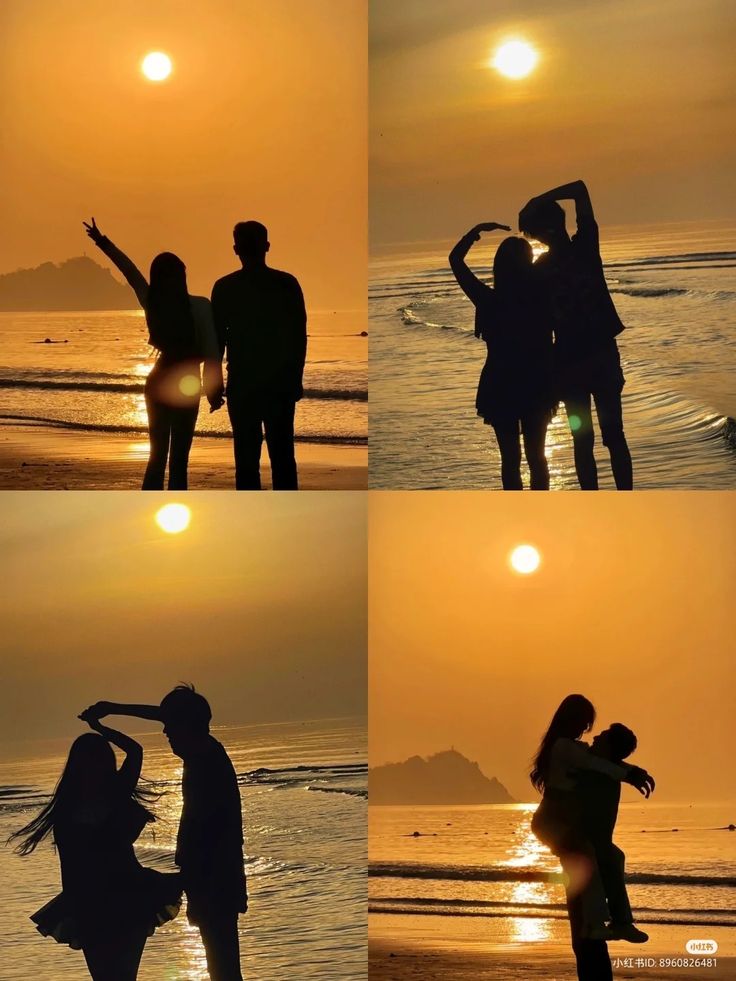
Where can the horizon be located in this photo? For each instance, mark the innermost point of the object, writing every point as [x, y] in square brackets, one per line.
[173, 165]
[465, 651]
[453, 142]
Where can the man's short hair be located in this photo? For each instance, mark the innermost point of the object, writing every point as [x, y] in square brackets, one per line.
[544, 216]
[250, 236]
[184, 706]
[621, 740]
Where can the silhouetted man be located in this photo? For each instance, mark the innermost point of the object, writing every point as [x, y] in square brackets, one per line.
[599, 797]
[586, 324]
[209, 845]
[261, 323]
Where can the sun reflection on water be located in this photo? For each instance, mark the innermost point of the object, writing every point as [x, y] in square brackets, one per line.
[528, 852]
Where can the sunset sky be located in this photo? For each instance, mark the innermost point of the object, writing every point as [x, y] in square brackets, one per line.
[635, 97]
[260, 603]
[264, 116]
[631, 606]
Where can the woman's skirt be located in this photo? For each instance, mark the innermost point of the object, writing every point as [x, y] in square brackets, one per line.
[154, 900]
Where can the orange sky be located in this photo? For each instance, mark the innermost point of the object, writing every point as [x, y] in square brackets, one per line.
[264, 117]
[632, 606]
[261, 604]
[635, 97]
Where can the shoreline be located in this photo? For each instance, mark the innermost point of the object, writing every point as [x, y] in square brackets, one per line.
[37, 457]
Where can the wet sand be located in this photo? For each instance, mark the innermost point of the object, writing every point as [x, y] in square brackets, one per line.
[390, 961]
[40, 458]
[413, 948]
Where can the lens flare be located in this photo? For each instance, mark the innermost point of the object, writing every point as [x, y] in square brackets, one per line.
[173, 518]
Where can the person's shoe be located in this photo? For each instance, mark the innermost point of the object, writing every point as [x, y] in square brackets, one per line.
[600, 933]
[629, 932]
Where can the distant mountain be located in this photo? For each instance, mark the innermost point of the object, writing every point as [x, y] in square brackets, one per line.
[445, 778]
[76, 284]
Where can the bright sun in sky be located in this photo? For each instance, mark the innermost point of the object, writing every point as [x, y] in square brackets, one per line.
[525, 559]
[515, 59]
[156, 66]
[173, 518]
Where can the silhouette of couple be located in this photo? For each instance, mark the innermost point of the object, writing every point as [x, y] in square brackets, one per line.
[257, 316]
[110, 904]
[550, 328]
[581, 787]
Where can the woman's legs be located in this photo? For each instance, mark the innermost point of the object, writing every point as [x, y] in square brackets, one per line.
[509, 445]
[534, 429]
[183, 423]
[116, 958]
[159, 430]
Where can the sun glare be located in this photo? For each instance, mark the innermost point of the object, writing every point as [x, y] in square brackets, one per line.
[173, 518]
[515, 59]
[525, 559]
[156, 66]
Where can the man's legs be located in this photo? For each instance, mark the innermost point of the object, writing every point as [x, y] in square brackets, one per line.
[222, 947]
[610, 419]
[611, 864]
[245, 418]
[580, 419]
[591, 956]
[278, 419]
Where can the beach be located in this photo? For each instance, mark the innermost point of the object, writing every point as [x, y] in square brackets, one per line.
[303, 789]
[672, 287]
[476, 895]
[73, 416]
[391, 959]
[36, 457]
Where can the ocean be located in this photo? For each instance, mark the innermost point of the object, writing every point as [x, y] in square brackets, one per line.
[91, 377]
[483, 864]
[304, 790]
[674, 289]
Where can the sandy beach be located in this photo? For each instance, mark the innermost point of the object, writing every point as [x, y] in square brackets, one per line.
[465, 959]
[39, 458]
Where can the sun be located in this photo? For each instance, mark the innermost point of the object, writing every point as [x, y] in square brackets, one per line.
[173, 518]
[156, 66]
[515, 59]
[525, 559]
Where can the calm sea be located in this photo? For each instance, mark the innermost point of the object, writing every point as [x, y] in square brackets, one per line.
[304, 790]
[93, 378]
[483, 863]
[674, 289]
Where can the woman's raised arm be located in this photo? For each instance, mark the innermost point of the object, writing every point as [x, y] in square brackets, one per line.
[468, 282]
[130, 770]
[127, 267]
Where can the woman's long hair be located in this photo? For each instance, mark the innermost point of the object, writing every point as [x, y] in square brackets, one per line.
[512, 265]
[168, 311]
[91, 762]
[575, 716]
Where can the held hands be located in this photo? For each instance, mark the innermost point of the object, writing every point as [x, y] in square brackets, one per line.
[97, 711]
[640, 779]
[93, 231]
[92, 720]
[216, 400]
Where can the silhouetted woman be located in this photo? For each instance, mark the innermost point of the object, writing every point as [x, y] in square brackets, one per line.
[182, 331]
[558, 823]
[110, 904]
[515, 392]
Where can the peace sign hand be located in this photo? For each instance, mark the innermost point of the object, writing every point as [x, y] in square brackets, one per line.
[93, 231]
